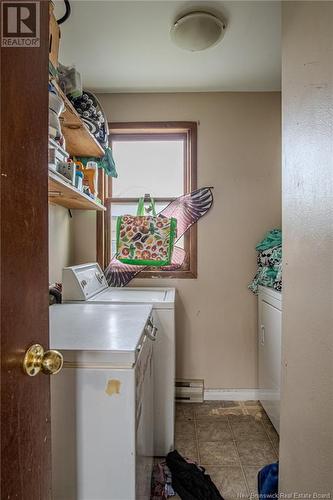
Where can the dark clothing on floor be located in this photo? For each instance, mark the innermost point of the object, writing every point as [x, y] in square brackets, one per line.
[189, 480]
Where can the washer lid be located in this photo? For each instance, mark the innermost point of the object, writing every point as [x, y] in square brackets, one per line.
[114, 331]
[157, 297]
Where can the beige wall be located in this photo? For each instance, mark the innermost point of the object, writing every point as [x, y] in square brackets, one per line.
[60, 241]
[70, 242]
[84, 236]
[306, 448]
[239, 154]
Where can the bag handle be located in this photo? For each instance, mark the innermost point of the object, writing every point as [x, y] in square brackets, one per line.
[141, 207]
[152, 206]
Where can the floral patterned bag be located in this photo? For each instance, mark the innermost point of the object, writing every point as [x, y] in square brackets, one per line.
[145, 239]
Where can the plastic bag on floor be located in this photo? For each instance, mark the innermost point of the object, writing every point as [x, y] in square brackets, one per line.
[268, 482]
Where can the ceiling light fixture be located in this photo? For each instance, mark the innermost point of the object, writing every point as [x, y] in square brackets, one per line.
[197, 31]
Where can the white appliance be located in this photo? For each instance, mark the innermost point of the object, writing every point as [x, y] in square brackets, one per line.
[269, 351]
[87, 283]
[102, 402]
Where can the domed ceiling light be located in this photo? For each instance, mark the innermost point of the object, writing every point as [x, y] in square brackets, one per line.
[198, 31]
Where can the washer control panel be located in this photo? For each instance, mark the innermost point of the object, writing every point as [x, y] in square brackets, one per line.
[83, 282]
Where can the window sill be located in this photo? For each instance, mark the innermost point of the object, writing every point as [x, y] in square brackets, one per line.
[180, 274]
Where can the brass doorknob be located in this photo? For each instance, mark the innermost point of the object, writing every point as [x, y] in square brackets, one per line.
[36, 360]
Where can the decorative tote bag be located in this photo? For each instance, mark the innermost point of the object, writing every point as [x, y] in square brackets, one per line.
[145, 240]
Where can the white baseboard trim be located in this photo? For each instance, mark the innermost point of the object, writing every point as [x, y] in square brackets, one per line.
[231, 394]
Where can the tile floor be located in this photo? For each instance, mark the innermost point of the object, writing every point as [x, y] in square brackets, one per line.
[231, 439]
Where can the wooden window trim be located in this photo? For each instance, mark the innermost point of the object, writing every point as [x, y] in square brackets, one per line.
[152, 130]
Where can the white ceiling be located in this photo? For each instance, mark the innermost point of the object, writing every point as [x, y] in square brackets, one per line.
[125, 46]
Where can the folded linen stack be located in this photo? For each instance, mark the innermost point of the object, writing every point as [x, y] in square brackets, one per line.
[269, 262]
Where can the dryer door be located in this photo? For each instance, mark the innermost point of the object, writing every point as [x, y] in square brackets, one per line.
[270, 360]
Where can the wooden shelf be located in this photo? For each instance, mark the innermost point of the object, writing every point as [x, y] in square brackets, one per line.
[79, 141]
[64, 194]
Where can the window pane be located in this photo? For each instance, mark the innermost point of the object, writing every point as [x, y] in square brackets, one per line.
[129, 208]
[155, 167]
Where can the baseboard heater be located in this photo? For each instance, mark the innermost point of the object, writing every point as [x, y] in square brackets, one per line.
[189, 391]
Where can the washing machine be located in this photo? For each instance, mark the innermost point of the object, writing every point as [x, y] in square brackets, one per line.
[87, 283]
[102, 420]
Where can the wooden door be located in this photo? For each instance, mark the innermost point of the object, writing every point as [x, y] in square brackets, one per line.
[25, 401]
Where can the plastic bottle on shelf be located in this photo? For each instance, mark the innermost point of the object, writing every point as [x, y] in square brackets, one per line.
[79, 180]
[90, 176]
[92, 170]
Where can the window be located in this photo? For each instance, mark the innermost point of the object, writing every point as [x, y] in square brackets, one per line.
[152, 158]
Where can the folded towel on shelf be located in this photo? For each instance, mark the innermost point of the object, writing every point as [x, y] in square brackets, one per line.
[271, 239]
[270, 257]
[265, 276]
[278, 279]
[269, 261]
